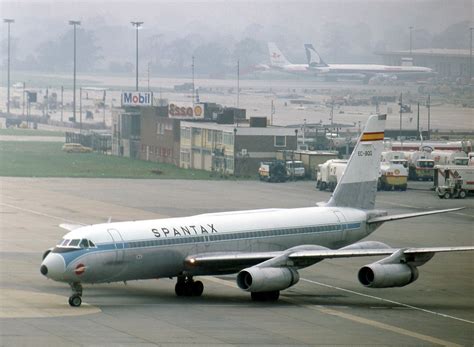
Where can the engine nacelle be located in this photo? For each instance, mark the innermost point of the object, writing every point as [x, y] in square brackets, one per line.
[256, 279]
[387, 275]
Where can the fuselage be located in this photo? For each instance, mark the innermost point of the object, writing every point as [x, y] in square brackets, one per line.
[375, 69]
[157, 248]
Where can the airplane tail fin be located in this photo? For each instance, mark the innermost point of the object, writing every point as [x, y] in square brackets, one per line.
[314, 59]
[358, 184]
[276, 57]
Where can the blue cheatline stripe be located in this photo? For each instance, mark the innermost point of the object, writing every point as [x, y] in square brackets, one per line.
[172, 241]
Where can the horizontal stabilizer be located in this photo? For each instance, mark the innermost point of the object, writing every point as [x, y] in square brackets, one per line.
[409, 215]
[70, 227]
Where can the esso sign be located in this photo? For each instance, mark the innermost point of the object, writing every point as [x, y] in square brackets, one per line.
[186, 111]
[137, 99]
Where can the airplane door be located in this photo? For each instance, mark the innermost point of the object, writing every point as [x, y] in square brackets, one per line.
[342, 223]
[119, 244]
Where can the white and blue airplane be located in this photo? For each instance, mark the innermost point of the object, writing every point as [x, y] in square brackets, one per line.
[266, 248]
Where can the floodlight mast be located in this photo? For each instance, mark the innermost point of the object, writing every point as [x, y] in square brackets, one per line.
[74, 23]
[137, 25]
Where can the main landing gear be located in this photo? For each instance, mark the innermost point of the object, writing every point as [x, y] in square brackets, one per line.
[186, 286]
[75, 300]
[265, 296]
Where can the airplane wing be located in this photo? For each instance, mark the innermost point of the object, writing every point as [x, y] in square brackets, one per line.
[382, 219]
[70, 227]
[234, 262]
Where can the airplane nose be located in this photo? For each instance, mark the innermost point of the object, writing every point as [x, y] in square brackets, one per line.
[53, 266]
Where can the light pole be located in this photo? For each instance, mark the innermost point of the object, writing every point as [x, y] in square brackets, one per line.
[411, 39]
[8, 21]
[74, 23]
[470, 56]
[137, 25]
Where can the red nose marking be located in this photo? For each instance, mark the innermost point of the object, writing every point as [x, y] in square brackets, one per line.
[80, 269]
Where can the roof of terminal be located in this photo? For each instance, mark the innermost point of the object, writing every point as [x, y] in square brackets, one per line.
[242, 129]
[439, 52]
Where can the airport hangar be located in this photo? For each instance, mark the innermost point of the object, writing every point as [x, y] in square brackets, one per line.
[450, 64]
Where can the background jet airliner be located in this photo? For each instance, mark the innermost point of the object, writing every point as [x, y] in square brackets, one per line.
[265, 247]
[366, 71]
[279, 62]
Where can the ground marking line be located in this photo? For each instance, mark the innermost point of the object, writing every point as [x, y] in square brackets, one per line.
[353, 318]
[388, 300]
[40, 213]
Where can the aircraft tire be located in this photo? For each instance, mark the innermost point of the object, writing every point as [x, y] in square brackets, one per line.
[75, 300]
[179, 288]
[197, 288]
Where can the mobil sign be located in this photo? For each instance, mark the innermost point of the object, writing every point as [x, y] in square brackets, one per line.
[137, 99]
[185, 110]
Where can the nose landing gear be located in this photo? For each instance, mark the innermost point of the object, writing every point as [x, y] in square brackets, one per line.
[75, 300]
[186, 286]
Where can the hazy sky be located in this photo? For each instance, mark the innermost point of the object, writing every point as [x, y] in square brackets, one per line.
[304, 21]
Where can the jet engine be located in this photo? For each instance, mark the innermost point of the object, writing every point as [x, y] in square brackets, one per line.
[266, 279]
[378, 275]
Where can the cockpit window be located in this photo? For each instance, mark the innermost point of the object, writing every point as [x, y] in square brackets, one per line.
[63, 242]
[84, 243]
[74, 243]
[91, 244]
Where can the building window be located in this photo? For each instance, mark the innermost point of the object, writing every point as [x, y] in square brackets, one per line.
[228, 139]
[186, 133]
[209, 135]
[185, 157]
[160, 129]
[280, 141]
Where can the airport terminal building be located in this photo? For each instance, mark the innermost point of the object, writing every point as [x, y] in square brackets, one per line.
[448, 63]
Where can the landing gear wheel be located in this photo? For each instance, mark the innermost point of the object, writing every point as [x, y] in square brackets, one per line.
[197, 288]
[179, 288]
[75, 300]
[265, 296]
[186, 286]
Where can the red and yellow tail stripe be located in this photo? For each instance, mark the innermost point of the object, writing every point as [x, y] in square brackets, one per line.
[378, 136]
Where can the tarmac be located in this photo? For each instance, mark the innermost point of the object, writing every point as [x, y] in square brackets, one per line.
[327, 307]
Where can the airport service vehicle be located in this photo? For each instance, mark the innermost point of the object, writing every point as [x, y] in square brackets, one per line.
[454, 181]
[366, 71]
[449, 157]
[295, 169]
[470, 156]
[330, 173]
[265, 248]
[273, 171]
[420, 166]
[388, 156]
[392, 176]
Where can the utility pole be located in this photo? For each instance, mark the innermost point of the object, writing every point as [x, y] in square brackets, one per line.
[428, 105]
[401, 110]
[470, 56]
[238, 82]
[418, 122]
[74, 23]
[8, 21]
[137, 25]
[62, 104]
[192, 71]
